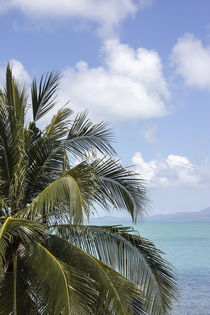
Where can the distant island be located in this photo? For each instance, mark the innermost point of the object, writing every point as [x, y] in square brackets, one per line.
[200, 216]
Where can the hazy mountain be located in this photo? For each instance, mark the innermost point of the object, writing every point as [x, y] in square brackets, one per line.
[201, 216]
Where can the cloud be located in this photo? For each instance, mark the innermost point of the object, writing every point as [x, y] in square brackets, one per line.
[106, 13]
[192, 61]
[173, 171]
[18, 70]
[129, 85]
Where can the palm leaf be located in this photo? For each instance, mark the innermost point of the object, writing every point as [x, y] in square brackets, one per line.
[14, 299]
[12, 161]
[4, 209]
[58, 127]
[43, 98]
[6, 294]
[83, 174]
[63, 190]
[56, 287]
[5, 141]
[84, 135]
[14, 98]
[121, 187]
[37, 184]
[106, 182]
[117, 295]
[13, 232]
[44, 162]
[135, 258]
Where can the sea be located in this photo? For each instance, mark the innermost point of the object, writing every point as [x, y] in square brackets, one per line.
[187, 247]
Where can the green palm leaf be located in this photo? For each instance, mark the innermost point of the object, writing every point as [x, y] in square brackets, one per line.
[6, 294]
[4, 210]
[135, 258]
[43, 98]
[14, 96]
[84, 135]
[5, 170]
[63, 190]
[109, 183]
[56, 287]
[57, 265]
[16, 299]
[12, 162]
[44, 162]
[58, 127]
[121, 187]
[117, 295]
[13, 232]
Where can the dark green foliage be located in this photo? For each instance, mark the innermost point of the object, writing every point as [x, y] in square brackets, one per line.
[50, 262]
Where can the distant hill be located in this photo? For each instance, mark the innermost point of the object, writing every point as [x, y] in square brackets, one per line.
[200, 216]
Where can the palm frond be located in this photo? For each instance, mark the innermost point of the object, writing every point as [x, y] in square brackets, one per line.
[63, 190]
[4, 209]
[117, 295]
[15, 283]
[108, 183]
[56, 287]
[5, 145]
[121, 187]
[44, 163]
[12, 117]
[45, 158]
[84, 135]
[43, 97]
[8, 93]
[6, 294]
[84, 174]
[14, 98]
[67, 269]
[133, 257]
[58, 127]
[14, 298]
[12, 232]
[163, 272]
[24, 289]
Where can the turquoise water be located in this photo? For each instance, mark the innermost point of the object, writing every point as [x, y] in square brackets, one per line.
[187, 247]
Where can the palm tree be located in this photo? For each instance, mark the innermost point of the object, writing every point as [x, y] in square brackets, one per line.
[50, 262]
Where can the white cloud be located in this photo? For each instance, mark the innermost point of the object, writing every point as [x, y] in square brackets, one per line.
[106, 13]
[129, 85]
[175, 170]
[192, 61]
[18, 70]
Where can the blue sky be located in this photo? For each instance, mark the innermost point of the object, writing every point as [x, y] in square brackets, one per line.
[142, 65]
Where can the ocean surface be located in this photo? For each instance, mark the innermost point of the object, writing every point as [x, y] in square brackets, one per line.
[187, 247]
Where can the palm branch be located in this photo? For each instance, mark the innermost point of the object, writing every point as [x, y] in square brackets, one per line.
[47, 255]
[134, 257]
